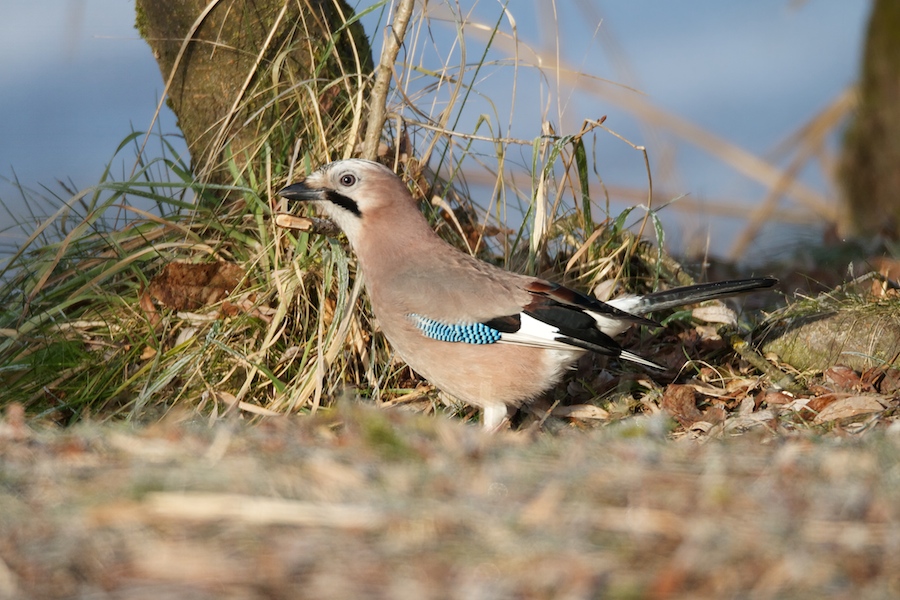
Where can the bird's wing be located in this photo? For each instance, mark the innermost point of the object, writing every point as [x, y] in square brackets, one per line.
[572, 318]
[553, 317]
[550, 294]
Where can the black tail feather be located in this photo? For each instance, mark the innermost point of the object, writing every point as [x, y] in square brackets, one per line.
[691, 294]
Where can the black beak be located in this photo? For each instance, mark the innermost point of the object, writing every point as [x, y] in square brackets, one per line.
[302, 192]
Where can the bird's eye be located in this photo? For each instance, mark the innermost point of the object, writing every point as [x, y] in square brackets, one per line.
[347, 179]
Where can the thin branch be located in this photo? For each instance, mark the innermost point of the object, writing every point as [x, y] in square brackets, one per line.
[378, 102]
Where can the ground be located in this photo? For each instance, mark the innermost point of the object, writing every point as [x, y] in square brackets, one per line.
[358, 502]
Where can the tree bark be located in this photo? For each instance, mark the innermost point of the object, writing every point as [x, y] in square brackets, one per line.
[869, 166]
[254, 72]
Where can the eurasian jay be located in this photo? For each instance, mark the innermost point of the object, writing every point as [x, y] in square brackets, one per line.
[489, 337]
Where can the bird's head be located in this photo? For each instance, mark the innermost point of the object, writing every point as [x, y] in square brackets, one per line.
[352, 192]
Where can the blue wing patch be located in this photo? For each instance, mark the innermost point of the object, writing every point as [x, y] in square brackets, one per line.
[467, 333]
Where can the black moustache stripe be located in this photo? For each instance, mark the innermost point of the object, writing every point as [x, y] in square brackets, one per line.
[343, 201]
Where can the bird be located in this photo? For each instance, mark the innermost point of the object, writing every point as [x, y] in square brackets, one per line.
[491, 338]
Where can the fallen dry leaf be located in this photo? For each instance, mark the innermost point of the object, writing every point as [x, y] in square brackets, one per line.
[680, 401]
[775, 398]
[716, 313]
[818, 403]
[146, 303]
[851, 407]
[187, 286]
[581, 411]
[884, 380]
[843, 378]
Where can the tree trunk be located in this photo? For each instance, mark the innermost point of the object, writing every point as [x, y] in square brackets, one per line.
[254, 72]
[869, 168]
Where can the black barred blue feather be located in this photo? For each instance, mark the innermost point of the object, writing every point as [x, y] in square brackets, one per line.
[468, 333]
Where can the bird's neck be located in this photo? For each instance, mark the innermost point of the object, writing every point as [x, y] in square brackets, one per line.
[386, 248]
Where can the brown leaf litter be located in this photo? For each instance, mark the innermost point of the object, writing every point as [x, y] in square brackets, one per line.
[843, 398]
[187, 287]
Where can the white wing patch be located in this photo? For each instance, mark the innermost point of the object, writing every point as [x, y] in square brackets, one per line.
[626, 302]
[612, 325]
[534, 332]
[608, 324]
